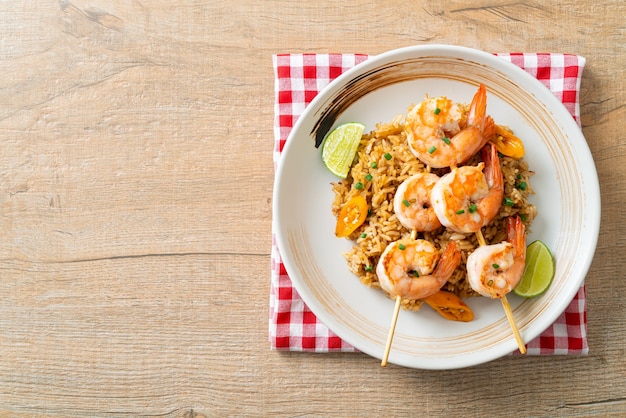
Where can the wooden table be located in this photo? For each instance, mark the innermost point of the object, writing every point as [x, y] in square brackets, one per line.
[136, 184]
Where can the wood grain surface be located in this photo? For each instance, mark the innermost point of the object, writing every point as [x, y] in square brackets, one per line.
[136, 181]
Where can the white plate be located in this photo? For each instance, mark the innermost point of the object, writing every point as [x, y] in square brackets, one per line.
[567, 199]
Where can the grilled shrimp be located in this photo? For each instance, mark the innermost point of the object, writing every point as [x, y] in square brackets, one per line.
[494, 270]
[412, 205]
[441, 134]
[468, 198]
[413, 269]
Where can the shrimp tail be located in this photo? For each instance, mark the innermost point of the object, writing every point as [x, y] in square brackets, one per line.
[488, 129]
[478, 107]
[516, 235]
[449, 261]
[490, 206]
[492, 170]
[478, 116]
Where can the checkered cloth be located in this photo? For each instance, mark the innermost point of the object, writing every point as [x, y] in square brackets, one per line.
[299, 77]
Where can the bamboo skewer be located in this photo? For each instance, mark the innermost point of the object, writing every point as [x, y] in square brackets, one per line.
[480, 238]
[509, 316]
[394, 320]
[506, 306]
[392, 329]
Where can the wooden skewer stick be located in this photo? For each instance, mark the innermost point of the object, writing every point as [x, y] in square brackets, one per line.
[506, 306]
[480, 238]
[392, 329]
[394, 320]
[509, 316]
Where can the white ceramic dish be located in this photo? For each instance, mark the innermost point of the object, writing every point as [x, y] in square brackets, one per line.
[567, 198]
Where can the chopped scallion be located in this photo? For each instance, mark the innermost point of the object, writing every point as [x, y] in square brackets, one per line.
[358, 186]
[432, 149]
[472, 208]
[373, 164]
[460, 212]
[446, 140]
[368, 177]
[437, 111]
[369, 268]
[508, 201]
[495, 266]
[402, 247]
[387, 156]
[363, 235]
[522, 185]
[406, 203]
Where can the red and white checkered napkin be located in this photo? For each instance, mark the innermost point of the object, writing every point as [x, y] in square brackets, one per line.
[299, 77]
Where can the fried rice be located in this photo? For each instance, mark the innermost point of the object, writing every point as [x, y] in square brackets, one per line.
[383, 161]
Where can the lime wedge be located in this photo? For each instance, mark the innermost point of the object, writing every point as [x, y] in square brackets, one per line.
[339, 148]
[538, 273]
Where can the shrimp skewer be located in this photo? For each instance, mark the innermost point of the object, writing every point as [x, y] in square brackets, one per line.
[412, 205]
[394, 319]
[441, 134]
[469, 197]
[399, 271]
[494, 270]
